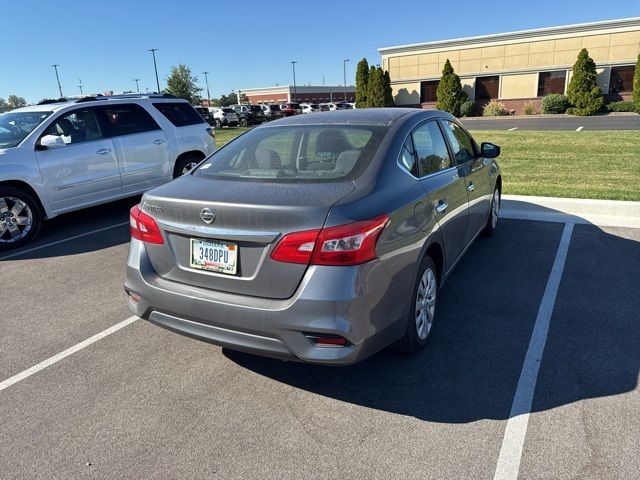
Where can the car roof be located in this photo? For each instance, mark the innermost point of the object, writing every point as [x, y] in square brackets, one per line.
[99, 100]
[361, 116]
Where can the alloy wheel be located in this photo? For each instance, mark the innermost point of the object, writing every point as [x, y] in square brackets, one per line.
[425, 303]
[495, 208]
[16, 219]
[188, 167]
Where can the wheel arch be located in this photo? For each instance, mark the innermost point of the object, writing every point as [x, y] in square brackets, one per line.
[28, 189]
[436, 253]
[191, 153]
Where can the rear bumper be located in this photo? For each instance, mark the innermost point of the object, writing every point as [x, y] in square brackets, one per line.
[360, 303]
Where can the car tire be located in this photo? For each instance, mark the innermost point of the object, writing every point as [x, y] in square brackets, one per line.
[244, 122]
[185, 164]
[494, 214]
[20, 210]
[423, 298]
[218, 124]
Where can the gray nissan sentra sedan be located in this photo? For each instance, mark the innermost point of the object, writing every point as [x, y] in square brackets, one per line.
[320, 238]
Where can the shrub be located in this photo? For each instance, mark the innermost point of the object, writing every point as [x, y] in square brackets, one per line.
[583, 91]
[468, 109]
[494, 109]
[627, 106]
[636, 86]
[449, 93]
[555, 103]
[529, 108]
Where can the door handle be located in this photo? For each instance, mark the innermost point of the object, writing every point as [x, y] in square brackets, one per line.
[441, 207]
[158, 141]
[471, 187]
[103, 151]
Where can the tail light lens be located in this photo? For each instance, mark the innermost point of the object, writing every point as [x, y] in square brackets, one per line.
[350, 244]
[143, 227]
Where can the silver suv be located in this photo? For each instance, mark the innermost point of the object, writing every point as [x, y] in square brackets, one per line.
[60, 156]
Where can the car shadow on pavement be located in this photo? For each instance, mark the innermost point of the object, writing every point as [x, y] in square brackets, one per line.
[470, 368]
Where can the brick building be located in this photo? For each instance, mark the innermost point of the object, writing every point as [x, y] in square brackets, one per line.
[309, 94]
[516, 67]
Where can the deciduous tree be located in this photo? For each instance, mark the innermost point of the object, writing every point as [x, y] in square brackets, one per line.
[183, 84]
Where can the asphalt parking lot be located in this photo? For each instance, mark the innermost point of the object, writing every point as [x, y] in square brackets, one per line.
[143, 402]
[555, 122]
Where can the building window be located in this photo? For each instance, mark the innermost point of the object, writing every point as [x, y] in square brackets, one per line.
[428, 91]
[551, 82]
[487, 88]
[621, 79]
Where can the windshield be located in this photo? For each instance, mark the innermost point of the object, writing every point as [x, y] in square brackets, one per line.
[14, 127]
[313, 153]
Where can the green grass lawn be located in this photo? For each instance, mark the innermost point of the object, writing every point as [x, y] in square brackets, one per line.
[603, 164]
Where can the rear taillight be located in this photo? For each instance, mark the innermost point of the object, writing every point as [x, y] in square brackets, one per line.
[143, 227]
[349, 244]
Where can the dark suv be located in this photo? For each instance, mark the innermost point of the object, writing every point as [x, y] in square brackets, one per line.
[205, 114]
[249, 114]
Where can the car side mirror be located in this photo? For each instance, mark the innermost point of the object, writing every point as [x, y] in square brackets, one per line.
[50, 141]
[489, 150]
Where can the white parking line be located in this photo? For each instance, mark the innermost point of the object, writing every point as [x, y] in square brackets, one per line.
[51, 244]
[69, 351]
[516, 429]
[512, 129]
[579, 128]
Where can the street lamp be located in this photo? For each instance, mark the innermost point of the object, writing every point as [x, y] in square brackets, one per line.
[295, 90]
[344, 73]
[206, 79]
[80, 86]
[155, 66]
[55, 67]
[137, 84]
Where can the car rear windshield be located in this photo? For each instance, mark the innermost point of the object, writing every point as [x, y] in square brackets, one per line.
[15, 126]
[228, 110]
[274, 107]
[255, 108]
[181, 114]
[301, 153]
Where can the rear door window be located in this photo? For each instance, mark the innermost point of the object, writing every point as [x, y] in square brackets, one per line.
[126, 119]
[181, 114]
[431, 149]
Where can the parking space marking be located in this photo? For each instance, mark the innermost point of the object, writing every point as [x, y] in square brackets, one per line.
[579, 128]
[512, 129]
[57, 242]
[64, 354]
[516, 429]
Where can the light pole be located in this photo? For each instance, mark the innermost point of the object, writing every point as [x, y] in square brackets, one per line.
[137, 84]
[155, 66]
[295, 90]
[80, 86]
[344, 74]
[206, 79]
[55, 67]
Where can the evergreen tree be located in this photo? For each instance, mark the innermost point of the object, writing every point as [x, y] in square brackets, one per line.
[636, 86]
[450, 95]
[362, 82]
[182, 84]
[388, 91]
[583, 91]
[375, 88]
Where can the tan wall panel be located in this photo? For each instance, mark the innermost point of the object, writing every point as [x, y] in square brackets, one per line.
[523, 85]
[517, 49]
[470, 54]
[394, 72]
[455, 65]
[470, 66]
[492, 52]
[409, 72]
[393, 62]
[599, 54]
[569, 44]
[427, 58]
[542, 47]
[452, 55]
[596, 41]
[541, 59]
[493, 64]
[408, 60]
[430, 70]
[567, 57]
[516, 61]
[626, 38]
[469, 86]
[623, 53]
[406, 93]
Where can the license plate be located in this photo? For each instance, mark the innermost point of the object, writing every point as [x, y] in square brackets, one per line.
[214, 256]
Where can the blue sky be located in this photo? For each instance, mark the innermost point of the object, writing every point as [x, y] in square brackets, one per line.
[243, 44]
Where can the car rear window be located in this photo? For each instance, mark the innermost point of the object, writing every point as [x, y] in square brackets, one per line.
[301, 153]
[228, 110]
[274, 107]
[181, 114]
[255, 108]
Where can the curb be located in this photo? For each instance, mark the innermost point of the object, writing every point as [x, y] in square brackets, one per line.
[604, 213]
